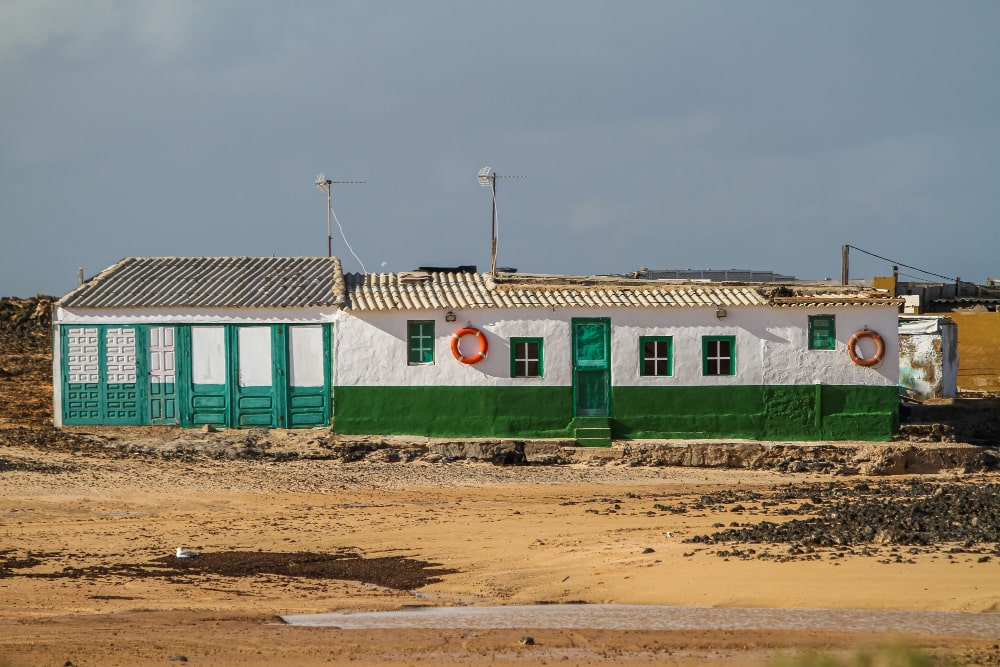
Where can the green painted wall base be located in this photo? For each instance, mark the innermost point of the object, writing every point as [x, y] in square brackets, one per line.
[810, 412]
[790, 412]
[446, 412]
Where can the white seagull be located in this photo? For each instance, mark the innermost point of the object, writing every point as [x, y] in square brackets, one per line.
[185, 553]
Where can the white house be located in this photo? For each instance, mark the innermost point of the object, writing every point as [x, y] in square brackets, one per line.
[290, 342]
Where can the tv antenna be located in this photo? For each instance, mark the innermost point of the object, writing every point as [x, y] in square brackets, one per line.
[488, 179]
[326, 185]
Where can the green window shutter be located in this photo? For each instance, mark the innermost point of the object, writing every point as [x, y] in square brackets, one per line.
[420, 341]
[822, 334]
[718, 355]
[526, 358]
[655, 355]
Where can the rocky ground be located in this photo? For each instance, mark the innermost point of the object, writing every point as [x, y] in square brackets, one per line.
[847, 519]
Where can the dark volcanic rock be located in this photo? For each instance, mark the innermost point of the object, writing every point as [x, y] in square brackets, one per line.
[919, 514]
[389, 571]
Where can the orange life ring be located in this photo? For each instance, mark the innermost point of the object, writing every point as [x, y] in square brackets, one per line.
[879, 348]
[469, 331]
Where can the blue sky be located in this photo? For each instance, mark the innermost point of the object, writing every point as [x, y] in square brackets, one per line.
[704, 134]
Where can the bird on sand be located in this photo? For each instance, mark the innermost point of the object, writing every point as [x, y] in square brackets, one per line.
[185, 553]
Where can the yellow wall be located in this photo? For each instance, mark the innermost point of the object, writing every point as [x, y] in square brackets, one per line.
[978, 351]
[885, 282]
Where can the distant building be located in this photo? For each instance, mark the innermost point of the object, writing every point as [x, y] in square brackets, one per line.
[714, 275]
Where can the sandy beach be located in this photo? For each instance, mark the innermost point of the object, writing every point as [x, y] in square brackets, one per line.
[89, 575]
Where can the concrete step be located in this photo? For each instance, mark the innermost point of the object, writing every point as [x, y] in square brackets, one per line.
[593, 436]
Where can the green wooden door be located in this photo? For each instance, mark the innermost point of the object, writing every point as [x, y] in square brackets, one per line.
[592, 367]
[163, 405]
[258, 376]
[207, 348]
[308, 397]
[255, 401]
[101, 375]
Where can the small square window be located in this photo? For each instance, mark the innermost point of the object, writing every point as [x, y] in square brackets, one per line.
[718, 355]
[655, 355]
[822, 335]
[420, 342]
[526, 357]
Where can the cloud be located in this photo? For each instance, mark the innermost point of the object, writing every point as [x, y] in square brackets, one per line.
[27, 26]
[69, 32]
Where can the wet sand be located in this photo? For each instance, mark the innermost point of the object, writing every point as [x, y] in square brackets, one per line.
[504, 536]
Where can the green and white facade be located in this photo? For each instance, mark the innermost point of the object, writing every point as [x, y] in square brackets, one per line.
[592, 359]
[598, 359]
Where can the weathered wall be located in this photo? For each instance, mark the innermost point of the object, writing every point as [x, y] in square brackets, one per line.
[978, 350]
[928, 357]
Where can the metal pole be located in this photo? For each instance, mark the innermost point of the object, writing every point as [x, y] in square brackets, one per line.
[493, 253]
[329, 231]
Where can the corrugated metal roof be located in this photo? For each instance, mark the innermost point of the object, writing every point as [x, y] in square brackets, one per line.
[417, 290]
[213, 282]
[967, 300]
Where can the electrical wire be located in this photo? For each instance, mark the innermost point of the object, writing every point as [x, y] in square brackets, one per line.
[929, 273]
[343, 236]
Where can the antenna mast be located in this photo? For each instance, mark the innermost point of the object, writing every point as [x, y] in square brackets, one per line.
[488, 179]
[326, 185]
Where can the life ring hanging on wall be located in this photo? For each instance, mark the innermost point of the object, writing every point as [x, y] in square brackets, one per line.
[879, 348]
[473, 358]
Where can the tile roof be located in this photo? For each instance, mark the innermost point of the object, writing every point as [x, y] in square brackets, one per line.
[419, 290]
[220, 282]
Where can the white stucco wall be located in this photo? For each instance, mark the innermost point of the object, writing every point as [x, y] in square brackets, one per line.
[771, 346]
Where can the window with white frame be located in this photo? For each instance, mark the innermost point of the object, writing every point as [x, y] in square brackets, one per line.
[654, 355]
[526, 358]
[718, 355]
